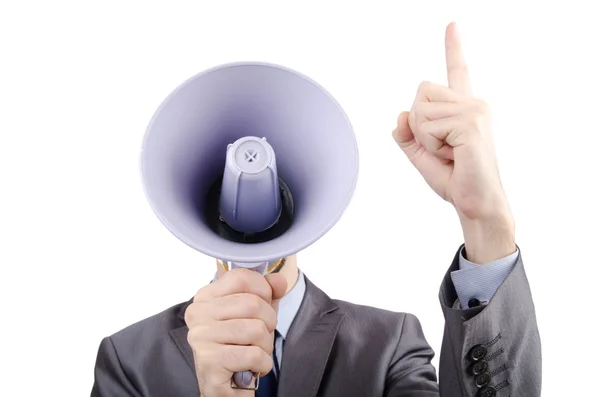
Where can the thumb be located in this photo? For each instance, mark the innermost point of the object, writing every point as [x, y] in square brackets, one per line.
[279, 286]
[403, 135]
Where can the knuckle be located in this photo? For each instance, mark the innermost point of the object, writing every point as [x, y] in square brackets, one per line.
[189, 315]
[259, 359]
[237, 280]
[481, 107]
[428, 143]
[477, 117]
[474, 124]
[268, 346]
[254, 329]
[259, 329]
[242, 279]
[195, 335]
[255, 354]
[206, 357]
[252, 356]
[424, 87]
[234, 275]
[252, 304]
[202, 294]
[195, 313]
[271, 320]
[198, 296]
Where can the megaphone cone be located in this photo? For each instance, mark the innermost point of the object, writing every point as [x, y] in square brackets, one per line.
[249, 163]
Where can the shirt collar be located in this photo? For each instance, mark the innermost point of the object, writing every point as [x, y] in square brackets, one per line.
[289, 306]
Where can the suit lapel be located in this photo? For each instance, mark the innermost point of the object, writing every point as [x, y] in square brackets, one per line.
[308, 344]
[179, 336]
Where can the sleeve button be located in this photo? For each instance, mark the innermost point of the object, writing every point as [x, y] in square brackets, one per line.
[477, 353]
[482, 380]
[479, 368]
[487, 392]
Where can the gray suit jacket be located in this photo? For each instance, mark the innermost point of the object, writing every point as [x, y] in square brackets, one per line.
[335, 348]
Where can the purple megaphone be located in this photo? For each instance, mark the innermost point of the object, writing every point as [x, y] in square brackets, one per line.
[249, 163]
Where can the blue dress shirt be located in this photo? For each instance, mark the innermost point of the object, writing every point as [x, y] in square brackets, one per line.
[471, 281]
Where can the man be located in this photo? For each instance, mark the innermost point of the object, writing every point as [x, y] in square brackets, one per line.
[305, 344]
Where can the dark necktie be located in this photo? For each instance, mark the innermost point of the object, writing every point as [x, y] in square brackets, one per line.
[267, 386]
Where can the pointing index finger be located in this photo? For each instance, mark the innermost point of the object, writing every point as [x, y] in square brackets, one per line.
[458, 74]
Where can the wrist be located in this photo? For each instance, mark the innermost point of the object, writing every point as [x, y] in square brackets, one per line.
[490, 238]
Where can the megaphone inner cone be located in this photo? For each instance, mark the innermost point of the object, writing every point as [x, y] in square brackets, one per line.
[217, 225]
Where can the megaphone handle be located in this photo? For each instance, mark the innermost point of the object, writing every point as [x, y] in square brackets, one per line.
[243, 379]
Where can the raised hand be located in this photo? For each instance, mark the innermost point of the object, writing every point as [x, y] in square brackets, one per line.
[447, 137]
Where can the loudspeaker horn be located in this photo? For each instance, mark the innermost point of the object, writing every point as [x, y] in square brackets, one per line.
[249, 163]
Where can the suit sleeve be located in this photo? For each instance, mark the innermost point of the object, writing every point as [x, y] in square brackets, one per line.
[493, 350]
[411, 373]
[110, 379]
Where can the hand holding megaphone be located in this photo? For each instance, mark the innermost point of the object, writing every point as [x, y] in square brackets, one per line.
[231, 326]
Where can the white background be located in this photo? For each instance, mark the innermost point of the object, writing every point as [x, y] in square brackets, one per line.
[83, 256]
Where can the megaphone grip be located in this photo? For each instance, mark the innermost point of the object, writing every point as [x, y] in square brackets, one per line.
[244, 379]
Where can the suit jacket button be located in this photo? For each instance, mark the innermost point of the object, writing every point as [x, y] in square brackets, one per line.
[477, 353]
[474, 302]
[487, 392]
[479, 368]
[482, 380]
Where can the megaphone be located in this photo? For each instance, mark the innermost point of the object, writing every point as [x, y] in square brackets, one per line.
[249, 163]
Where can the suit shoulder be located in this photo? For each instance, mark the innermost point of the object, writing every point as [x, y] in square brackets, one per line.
[150, 330]
[370, 314]
[132, 357]
[368, 327]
